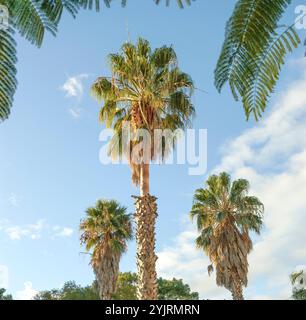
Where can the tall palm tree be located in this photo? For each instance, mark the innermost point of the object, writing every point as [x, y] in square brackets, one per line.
[225, 215]
[106, 230]
[254, 52]
[148, 90]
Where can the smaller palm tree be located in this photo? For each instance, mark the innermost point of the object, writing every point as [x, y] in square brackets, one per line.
[225, 215]
[106, 230]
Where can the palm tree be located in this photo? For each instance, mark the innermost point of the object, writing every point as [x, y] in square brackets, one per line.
[32, 19]
[254, 51]
[148, 90]
[106, 230]
[225, 215]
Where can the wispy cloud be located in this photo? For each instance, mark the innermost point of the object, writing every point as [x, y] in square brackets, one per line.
[33, 231]
[76, 112]
[272, 156]
[73, 87]
[62, 231]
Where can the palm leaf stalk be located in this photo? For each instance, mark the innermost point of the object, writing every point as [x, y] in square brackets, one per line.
[224, 215]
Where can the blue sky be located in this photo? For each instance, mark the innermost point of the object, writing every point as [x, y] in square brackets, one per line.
[50, 147]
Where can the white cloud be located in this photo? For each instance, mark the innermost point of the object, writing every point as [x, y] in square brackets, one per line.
[32, 231]
[62, 231]
[272, 156]
[4, 277]
[27, 293]
[73, 87]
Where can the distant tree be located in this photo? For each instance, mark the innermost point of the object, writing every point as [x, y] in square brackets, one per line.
[175, 290]
[4, 296]
[70, 291]
[126, 287]
[126, 290]
[298, 281]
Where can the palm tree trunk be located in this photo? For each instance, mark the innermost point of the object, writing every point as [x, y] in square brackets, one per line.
[144, 179]
[237, 291]
[107, 271]
[145, 216]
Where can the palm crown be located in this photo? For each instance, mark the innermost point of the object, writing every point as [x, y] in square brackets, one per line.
[106, 227]
[147, 89]
[225, 214]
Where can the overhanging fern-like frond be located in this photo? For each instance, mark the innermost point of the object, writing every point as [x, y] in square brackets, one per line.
[267, 72]
[179, 2]
[248, 46]
[90, 4]
[54, 8]
[31, 21]
[8, 72]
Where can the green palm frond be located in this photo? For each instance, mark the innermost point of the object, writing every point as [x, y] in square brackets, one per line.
[8, 81]
[254, 51]
[147, 89]
[106, 225]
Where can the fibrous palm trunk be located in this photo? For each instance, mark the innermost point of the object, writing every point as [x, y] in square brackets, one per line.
[237, 291]
[107, 271]
[145, 216]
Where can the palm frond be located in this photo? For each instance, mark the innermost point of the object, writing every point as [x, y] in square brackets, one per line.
[8, 81]
[179, 2]
[31, 21]
[266, 72]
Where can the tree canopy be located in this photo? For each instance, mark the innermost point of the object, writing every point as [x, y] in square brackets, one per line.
[4, 296]
[126, 290]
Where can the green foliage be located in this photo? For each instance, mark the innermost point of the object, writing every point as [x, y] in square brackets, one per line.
[4, 296]
[298, 281]
[299, 294]
[254, 51]
[70, 291]
[175, 290]
[126, 290]
[126, 287]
